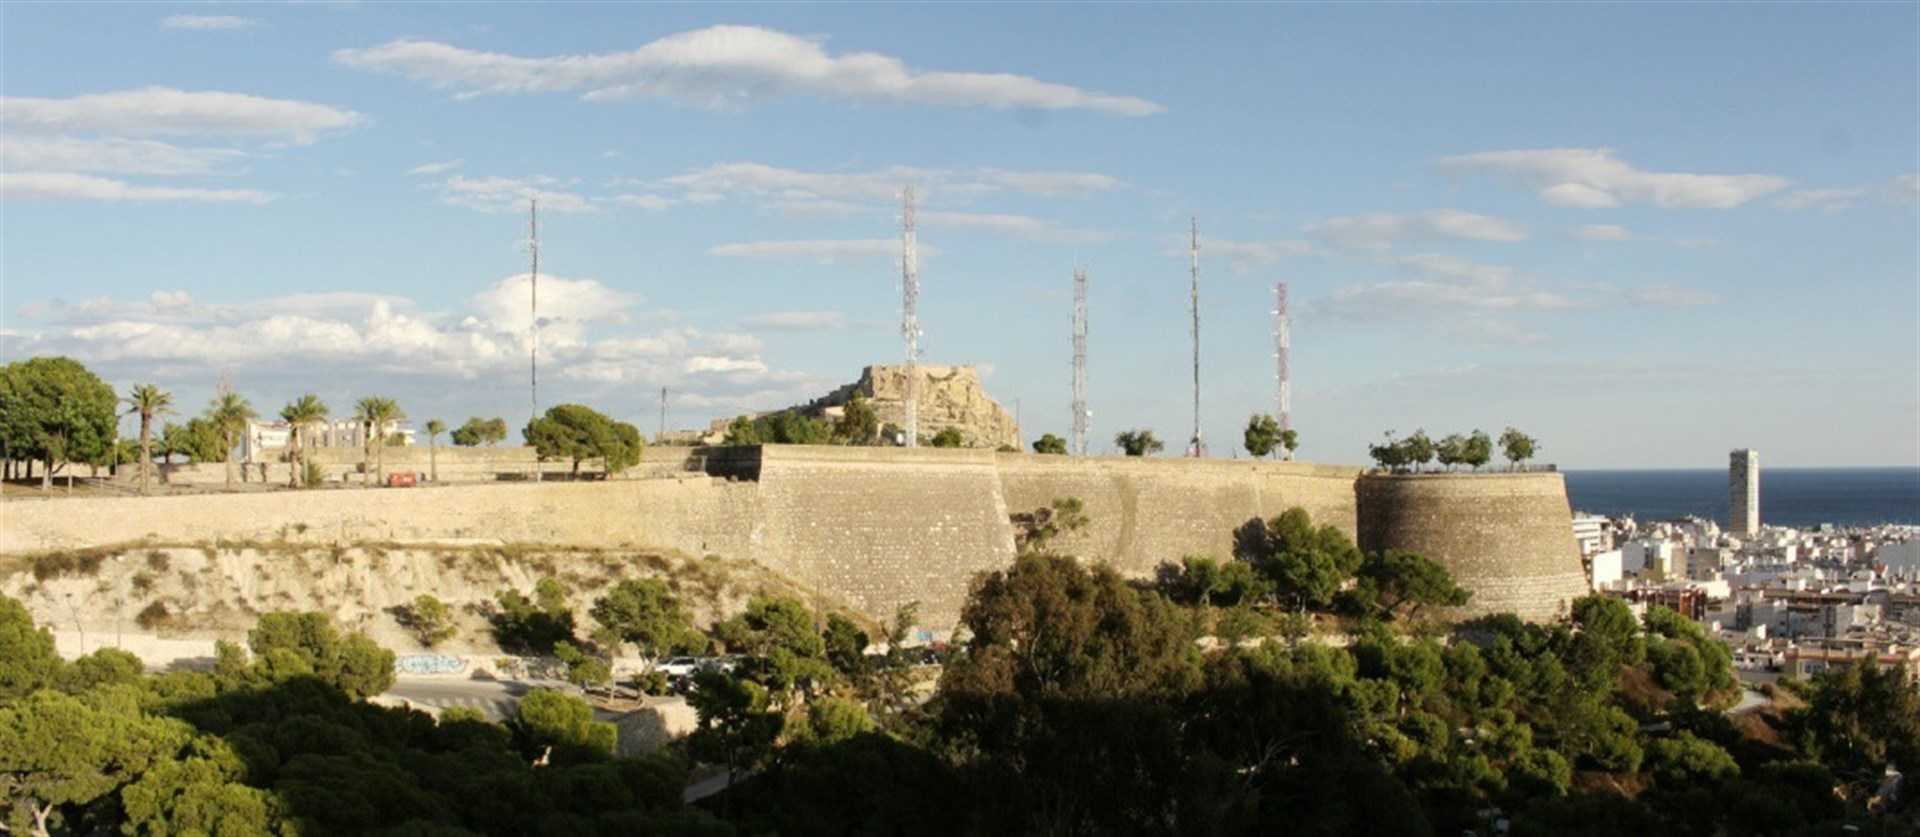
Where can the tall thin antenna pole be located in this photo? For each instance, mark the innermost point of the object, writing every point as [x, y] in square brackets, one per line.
[533, 356]
[1282, 343]
[662, 435]
[910, 314]
[1081, 418]
[1197, 447]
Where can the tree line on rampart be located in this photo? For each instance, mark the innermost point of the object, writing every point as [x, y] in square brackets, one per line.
[56, 412]
[1202, 701]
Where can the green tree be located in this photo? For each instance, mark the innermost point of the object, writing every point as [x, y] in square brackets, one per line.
[300, 414]
[230, 414]
[1399, 584]
[1859, 720]
[354, 664]
[1034, 531]
[1516, 446]
[1478, 451]
[1419, 449]
[1290, 440]
[1305, 565]
[948, 437]
[202, 793]
[532, 626]
[478, 431]
[832, 720]
[562, 728]
[1049, 443]
[1138, 442]
[846, 645]
[54, 410]
[737, 728]
[1685, 759]
[375, 413]
[60, 753]
[429, 619]
[645, 612]
[1451, 450]
[1392, 456]
[786, 648]
[148, 401]
[28, 661]
[858, 424]
[1263, 435]
[578, 433]
[583, 669]
[435, 427]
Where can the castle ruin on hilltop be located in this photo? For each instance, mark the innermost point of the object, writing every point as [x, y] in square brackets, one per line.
[950, 397]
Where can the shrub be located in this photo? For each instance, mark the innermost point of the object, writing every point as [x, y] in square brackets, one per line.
[154, 616]
[158, 561]
[57, 564]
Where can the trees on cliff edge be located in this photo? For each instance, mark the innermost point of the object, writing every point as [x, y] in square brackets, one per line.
[579, 433]
[54, 410]
[300, 414]
[147, 401]
[478, 431]
[1051, 444]
[1262, 436]
[1516, 446]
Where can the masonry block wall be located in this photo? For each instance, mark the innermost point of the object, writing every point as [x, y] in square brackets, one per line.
[878, 527]
[1506, 537]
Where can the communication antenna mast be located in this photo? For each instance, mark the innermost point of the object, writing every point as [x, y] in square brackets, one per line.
[533, 275]
[1282, 340]
[663, 416]
[1081, 418]
[910, 315]
[1197, 447]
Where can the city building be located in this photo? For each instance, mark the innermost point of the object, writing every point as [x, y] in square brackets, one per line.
[1743, 492]
[1593, 534]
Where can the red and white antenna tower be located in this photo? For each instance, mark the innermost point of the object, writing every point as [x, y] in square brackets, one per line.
[1197, 447]
[1282, 341]
[1081, 417]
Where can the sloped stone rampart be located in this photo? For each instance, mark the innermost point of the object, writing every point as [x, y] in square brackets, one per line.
[1506, 537]
[878, 527]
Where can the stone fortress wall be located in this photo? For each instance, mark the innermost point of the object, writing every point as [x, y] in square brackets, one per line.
[878, 527]
[1508, 537]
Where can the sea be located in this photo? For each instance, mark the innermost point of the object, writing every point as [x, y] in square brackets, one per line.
[1798, 497]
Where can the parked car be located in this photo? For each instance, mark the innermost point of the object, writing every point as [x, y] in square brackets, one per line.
[678, 666]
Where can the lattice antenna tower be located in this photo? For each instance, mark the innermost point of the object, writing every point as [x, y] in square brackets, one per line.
[1081, 417]
[533, 277]
[1282, 342]
[1197, 447]
[662, 434]
[910, 314]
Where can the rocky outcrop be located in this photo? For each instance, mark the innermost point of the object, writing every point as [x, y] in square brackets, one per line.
[950, 396]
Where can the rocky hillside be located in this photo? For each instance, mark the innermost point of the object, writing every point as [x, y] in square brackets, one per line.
[950, 396]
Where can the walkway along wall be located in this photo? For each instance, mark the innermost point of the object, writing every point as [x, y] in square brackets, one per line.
[878, 527]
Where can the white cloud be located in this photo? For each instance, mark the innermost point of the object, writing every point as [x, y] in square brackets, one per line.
[1825, 200]
[723, 67]
[1902, 189]
[510, 194]
[566, 305]
[68, 186]
[1018, 226]
[441, 167]
[1245, 255]
[1668, 296]
[27, 153]
[165, 111]
[207, 22]
[651, 203]
[796, 321]
[1593, 178]
[1603, 232]
[774, 184]
[1381, 230]
[821, 250]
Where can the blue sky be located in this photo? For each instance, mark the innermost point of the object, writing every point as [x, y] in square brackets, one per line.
[1645, 233]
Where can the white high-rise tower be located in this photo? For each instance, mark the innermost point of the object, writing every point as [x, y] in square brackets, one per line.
[1743, 492]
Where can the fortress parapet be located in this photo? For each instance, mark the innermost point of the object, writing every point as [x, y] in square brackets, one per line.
[1508, 537]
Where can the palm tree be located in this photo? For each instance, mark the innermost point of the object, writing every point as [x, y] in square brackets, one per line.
[435, 427]
[375, 413]
[308, 410]
[147, 401]
[230, 413]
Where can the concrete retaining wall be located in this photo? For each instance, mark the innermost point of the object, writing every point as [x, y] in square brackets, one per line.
[1506, 537]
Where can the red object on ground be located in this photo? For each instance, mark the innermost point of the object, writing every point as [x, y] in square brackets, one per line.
[400, 480]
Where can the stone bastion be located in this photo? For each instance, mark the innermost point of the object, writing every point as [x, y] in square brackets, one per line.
[878, 527]
[1508, 537]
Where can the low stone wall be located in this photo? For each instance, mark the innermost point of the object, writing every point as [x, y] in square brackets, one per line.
[1506, 537]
